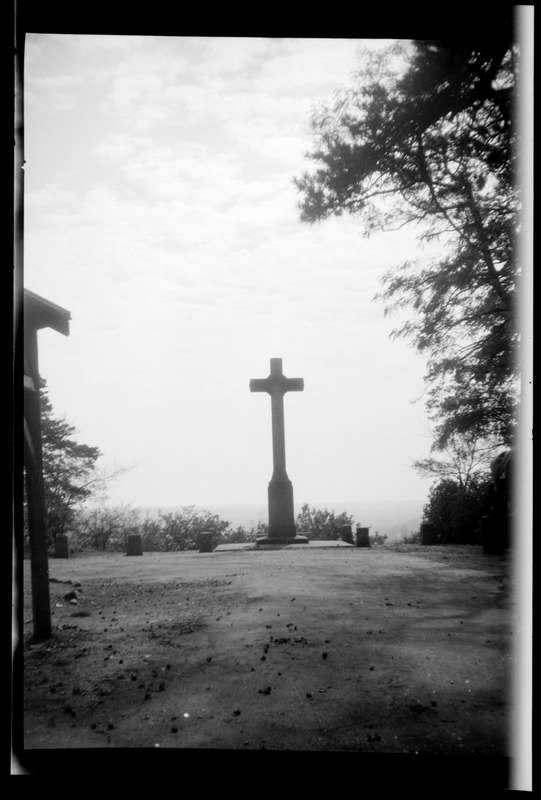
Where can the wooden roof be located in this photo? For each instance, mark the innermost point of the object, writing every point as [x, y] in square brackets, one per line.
[41, 313]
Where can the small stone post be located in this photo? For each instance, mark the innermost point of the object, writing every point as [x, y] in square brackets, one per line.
[135, 545]
[346, 534]
[61, 547]
[205, 542]
[427, 533]
[361, 537]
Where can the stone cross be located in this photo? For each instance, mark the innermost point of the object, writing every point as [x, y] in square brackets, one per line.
[281, 514]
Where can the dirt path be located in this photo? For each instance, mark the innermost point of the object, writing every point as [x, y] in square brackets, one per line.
[403, 650]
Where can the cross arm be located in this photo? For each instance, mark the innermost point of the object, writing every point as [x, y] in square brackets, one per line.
[259, 385]
[294, 384]
[277, 383]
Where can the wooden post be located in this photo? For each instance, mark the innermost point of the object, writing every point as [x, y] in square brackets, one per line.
[38, 313]
[35, 494]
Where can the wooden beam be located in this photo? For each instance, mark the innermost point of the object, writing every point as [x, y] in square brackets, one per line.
[35, 495]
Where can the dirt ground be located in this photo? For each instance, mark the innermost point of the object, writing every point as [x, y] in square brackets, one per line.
[396, 651]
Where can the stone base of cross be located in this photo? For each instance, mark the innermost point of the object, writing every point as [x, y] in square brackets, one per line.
[282, 528]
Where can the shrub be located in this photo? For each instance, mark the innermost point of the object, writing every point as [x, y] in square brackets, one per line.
[241, 534]
[456, 510]
[412, 538]
[181, 530]
[318, 524]
[105, 528]
[151, 531]
[109, 528]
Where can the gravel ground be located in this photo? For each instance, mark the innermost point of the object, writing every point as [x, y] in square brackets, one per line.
[392, 654]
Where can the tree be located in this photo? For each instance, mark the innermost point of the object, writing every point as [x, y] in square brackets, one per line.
[68, 468]
[456, 511]
[70, 475]
[466, 460]
[425, 138]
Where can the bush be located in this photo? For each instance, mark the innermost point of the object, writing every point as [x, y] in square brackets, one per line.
[377, 538]
[456, 510]
[151, 535]
[181, 530]
[317, 524]
[109, 528]
[412, 538]
[105, 528]
[241, 535]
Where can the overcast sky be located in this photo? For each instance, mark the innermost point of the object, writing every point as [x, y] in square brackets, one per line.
[160, 211]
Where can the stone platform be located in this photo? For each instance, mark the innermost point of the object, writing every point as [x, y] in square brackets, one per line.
[310, 545]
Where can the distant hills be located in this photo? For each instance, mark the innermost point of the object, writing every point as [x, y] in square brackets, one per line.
[395, 518]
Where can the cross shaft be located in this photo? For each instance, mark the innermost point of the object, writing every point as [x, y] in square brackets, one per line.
[277, 385]
[281, 514]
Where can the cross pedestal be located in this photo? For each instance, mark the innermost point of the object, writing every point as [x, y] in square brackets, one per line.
[282, 528]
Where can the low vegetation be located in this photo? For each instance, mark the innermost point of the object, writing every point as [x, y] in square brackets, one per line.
[453, 510]
[456, 510]
[108, 528]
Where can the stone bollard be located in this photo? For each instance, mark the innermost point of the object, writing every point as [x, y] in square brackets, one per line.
[205, 542]
[135, 545]
[61, 547]
[361, 537]
[427, 534]
[346, 534]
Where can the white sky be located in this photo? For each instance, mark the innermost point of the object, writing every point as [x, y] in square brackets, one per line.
[160, 211]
